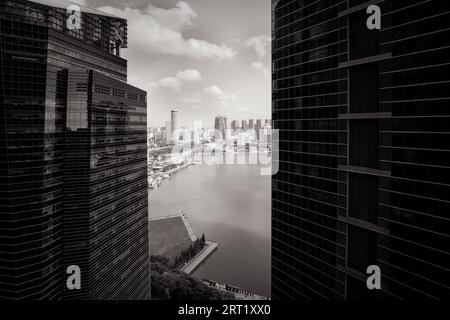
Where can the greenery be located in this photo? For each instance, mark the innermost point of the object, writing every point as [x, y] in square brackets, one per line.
[190, 253]
[168, 283]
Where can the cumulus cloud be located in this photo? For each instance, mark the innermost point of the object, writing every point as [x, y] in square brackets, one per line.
[189, 75]
[189, 98]
[219, 94]
[260, 67]
[260, 44]
[158, 30]
[223, 100]
[170, 82]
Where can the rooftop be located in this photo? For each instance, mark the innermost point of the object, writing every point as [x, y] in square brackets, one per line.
[64, 4]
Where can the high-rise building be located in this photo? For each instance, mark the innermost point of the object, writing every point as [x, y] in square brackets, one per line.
[174, 136]
[244, 125]
[219, 127]
[168, 133]
[234, 125]
[73, 169]
[225, 127]
[251, 124]
[258, 128]
[364, 159]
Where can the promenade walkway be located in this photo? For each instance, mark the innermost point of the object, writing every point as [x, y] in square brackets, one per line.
[192, 265]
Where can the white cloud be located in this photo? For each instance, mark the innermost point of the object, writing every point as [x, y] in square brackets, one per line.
[160, 31]
[170, 82]
[260, 44]
[189, 75]
[189, 98]
[223, 100]
[180, 17]
[219, 94]
[260, 67]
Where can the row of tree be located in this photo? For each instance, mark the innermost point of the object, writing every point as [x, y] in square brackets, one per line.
[188, 254]
[169, 283]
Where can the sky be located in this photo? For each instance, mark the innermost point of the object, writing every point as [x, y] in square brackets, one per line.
[201, 57]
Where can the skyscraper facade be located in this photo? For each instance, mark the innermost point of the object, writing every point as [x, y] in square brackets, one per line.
[73, 174]
[174, 126]
[168, 132]
[258, 129]
[234, 125]
[244, 125]
[219, 127]
[364, 160]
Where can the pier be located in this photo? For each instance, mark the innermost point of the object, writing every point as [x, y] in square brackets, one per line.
[201, 257]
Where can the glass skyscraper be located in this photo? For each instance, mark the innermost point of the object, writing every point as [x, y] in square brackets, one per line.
[364, 162]
[73, 166]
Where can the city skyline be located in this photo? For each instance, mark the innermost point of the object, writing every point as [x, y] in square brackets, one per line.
[148, 151]
[187, 61]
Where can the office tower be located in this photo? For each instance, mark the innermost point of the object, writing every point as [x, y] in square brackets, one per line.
[168, 134]
[259, 123]
[198, 132]
[258, 129]
[219, 127]
[225, 127]
[364, 166]
[234, 125]
[174, 137]
[73, 173]
[244, 125]
[251, 124]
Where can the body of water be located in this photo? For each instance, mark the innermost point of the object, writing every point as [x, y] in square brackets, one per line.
[231, 204]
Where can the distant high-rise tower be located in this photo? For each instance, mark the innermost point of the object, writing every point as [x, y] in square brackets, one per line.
[168, 134]
[251, 124]
[258, 128]
[219, 126]
[73, 163]
[225, 127]
[174, 136]
[234, 125]
[364, 150]
[244, 125]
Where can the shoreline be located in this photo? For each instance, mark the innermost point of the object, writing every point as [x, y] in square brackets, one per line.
[200, 258]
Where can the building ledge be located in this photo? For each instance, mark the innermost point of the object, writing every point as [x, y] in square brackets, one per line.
[363, 224]
[358, 7]
[365, 60]
[368, 115]
[364, 170]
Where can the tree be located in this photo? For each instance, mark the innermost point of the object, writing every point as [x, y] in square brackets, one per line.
[203, 240]
[172, 284]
